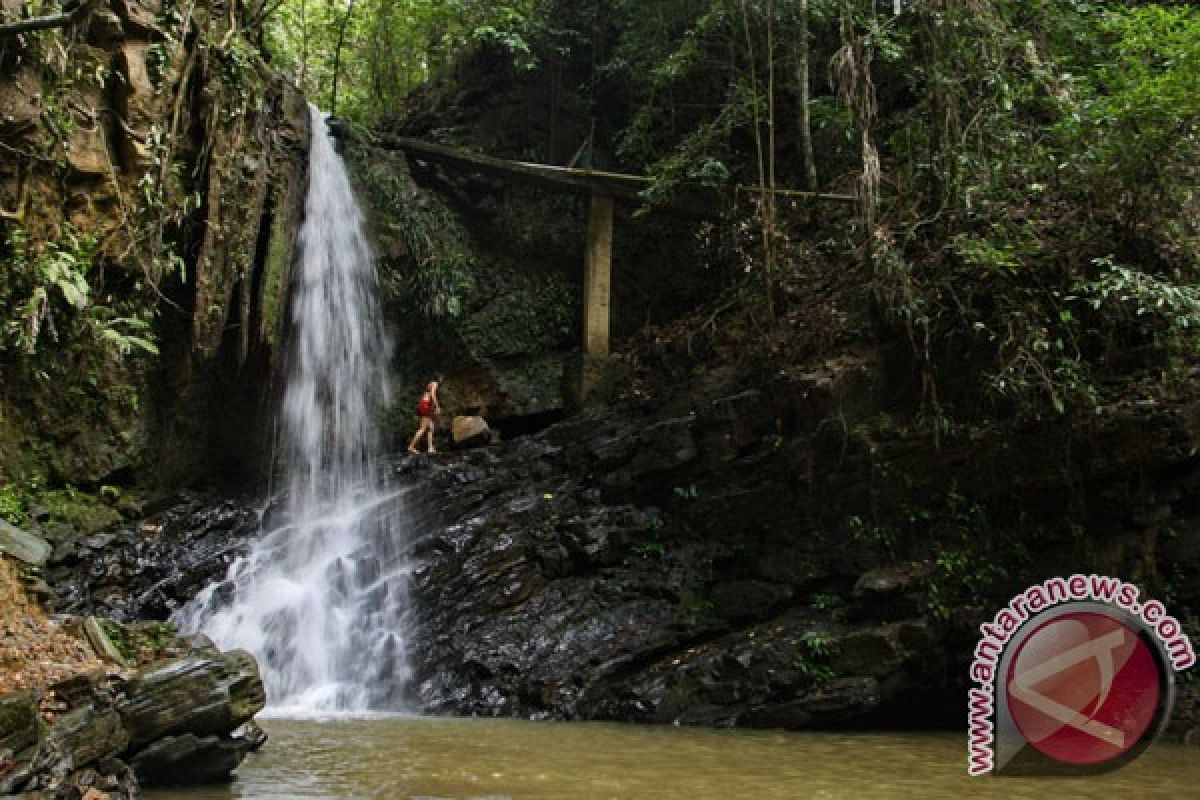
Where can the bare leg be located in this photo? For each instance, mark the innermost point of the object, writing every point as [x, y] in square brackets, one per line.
[431, 448]
[412, 444]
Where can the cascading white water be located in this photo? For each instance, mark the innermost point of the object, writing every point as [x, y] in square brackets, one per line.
[320, 599]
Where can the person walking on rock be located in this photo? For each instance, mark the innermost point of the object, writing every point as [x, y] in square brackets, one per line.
[427, 408]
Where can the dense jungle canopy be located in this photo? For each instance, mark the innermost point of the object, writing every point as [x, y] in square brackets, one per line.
[1026, 172]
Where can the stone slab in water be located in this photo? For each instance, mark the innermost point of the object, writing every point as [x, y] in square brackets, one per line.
[199, 694]
[23, 546]
[188, 760]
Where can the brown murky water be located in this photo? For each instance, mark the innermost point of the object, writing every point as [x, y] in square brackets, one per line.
[401, 758]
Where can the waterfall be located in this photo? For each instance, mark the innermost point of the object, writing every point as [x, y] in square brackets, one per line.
[319, 599]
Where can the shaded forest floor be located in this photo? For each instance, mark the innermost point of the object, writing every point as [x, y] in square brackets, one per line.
[34, 651]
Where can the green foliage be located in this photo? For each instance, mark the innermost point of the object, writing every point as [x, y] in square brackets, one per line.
[80, 510]
[443, 272]
[827, 602]
[527, 318]
[1031, 167]
[812, 657]
[390, 48]
[883, 536]
[53, 276]
[236, 60]
[444, 275]
[12, 505]
[1128, 293]
[142, 642]
[68, 506]
[689, 492]
[700, 84]
[972, 561]
[818, 644]
[158, 59]
[47, 290]
[652, 549]
[1142, 106]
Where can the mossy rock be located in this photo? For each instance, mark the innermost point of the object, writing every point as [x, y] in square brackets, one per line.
[20, 723]
[87, 735]
[533, 385]
[144, 642]
[86, 513]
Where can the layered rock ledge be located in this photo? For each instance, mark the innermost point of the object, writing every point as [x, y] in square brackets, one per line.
[179, 721]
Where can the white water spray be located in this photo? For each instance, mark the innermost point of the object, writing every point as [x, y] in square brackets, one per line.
[320, 599]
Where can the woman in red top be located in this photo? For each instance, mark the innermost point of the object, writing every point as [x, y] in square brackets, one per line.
[427, 409]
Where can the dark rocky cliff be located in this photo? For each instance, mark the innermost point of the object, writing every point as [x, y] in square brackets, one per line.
[778, 552]
[732, 548]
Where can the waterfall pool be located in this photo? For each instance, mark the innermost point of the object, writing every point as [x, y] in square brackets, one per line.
[398, 758]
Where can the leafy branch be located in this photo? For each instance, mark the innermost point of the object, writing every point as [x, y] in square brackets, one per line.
[72, 13]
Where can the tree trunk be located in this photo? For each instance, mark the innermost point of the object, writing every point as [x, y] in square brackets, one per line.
[764, 192]
[303, 44]
[802, 88]
[337, 57]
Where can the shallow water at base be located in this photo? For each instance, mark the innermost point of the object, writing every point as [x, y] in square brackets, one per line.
[427, 758]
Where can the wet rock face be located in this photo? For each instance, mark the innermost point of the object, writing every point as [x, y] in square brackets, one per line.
[148, 569]
[734, 556]
[652, 564]
[721, 555]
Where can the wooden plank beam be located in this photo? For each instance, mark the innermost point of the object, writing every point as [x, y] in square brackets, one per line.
[583, 181]
[597, 280]
[697, 200]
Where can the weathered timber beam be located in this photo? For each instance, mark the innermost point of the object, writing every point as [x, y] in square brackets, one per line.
[47, 22]
[698, 200]
[579, 180]
[831, 197]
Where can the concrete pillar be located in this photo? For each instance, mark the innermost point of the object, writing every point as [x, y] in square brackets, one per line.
[597, 276]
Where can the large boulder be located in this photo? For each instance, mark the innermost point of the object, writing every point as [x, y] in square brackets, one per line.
[470, 431]
[201, 694]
